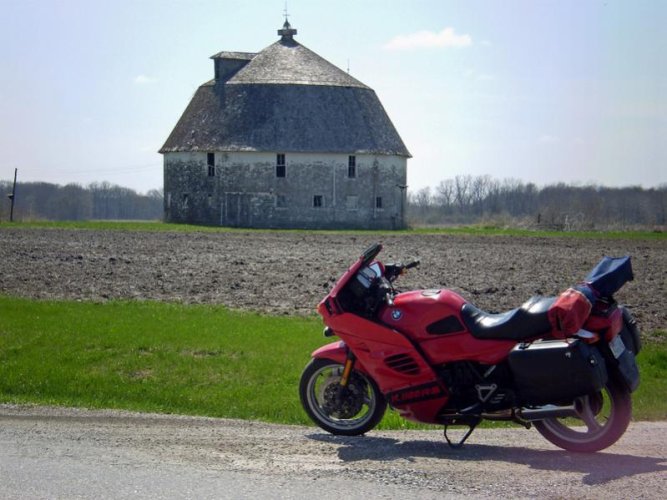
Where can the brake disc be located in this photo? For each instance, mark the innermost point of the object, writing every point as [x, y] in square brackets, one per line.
[342, 402]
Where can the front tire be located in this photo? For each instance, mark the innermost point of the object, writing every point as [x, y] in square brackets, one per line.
[602, 419]
[347, 411]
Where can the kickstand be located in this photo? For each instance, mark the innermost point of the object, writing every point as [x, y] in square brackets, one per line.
[459, 445]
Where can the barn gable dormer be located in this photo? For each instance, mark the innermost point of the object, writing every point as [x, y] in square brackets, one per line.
[227, 64]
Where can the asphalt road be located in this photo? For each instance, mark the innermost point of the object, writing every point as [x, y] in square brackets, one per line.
[69, 453]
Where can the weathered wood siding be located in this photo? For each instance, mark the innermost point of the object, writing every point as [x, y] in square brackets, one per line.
[246, 192]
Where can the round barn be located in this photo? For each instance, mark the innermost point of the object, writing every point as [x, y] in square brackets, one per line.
[284, 139]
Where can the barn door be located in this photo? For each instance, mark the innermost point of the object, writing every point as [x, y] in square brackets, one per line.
[237, 209]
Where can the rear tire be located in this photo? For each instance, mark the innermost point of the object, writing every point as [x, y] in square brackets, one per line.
[604, 416]
[346, 411]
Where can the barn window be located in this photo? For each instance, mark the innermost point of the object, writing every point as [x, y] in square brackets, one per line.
[210, 160]
[352, 166]
[280, 165]
[378, 202]
[317, 201]
[185, 200]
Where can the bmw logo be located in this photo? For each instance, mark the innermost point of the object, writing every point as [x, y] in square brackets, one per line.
[396, 314]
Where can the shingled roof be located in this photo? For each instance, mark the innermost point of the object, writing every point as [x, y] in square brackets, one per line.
[285, 98]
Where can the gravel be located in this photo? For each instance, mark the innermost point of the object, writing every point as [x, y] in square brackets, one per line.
[75, 453]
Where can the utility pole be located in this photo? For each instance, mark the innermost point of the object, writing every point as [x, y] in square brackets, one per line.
[12, 196]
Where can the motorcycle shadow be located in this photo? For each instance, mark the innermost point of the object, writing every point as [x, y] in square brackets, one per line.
[598, 468]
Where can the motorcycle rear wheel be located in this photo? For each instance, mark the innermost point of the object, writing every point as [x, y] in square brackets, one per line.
[602, 420]
[347, 411]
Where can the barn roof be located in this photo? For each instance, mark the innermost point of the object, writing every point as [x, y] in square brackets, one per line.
[245, 56]
[286, 98]
[288, 62]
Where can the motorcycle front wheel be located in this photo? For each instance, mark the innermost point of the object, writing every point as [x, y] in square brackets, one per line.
[348, 411]
[601, 420]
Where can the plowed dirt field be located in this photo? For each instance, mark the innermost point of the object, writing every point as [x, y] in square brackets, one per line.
[288, 273]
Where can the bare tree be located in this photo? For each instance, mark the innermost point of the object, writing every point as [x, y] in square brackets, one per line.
[423, 200]
[462, 192]
[41, 200]
[445, 196]
[465, 199]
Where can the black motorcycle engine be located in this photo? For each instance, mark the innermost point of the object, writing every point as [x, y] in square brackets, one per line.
[477, 388]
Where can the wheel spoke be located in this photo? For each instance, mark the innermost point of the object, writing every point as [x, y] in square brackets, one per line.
[586, 414]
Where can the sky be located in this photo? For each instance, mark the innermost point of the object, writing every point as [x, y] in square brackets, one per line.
[540, 91]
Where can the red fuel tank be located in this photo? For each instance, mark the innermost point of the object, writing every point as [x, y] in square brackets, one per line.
[432, 319]
[421, 313]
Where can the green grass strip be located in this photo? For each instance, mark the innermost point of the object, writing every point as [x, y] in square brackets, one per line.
[475, 230]
[150, 356]
[186, 359]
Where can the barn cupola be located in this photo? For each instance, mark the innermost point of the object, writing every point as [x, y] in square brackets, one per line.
[287, 33]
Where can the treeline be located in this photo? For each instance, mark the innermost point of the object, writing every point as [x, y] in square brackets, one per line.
[463, 199]
[45, 201]
[467, 199]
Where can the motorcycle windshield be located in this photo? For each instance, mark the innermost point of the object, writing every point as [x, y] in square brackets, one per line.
[610, 274]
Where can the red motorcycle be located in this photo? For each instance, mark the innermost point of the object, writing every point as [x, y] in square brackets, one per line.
[565, 364]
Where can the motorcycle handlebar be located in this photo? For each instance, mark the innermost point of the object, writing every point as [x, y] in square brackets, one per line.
[393, 271]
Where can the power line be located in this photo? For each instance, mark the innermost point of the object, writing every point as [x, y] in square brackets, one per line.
[114, 170]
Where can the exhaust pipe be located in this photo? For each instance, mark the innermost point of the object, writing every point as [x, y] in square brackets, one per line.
[547, 411]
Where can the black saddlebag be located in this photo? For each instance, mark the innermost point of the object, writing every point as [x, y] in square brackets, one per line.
[556, 372]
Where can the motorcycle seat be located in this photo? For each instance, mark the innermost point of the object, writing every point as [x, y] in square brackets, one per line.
[525, 322]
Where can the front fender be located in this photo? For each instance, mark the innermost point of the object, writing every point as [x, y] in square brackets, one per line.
[338, 352]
